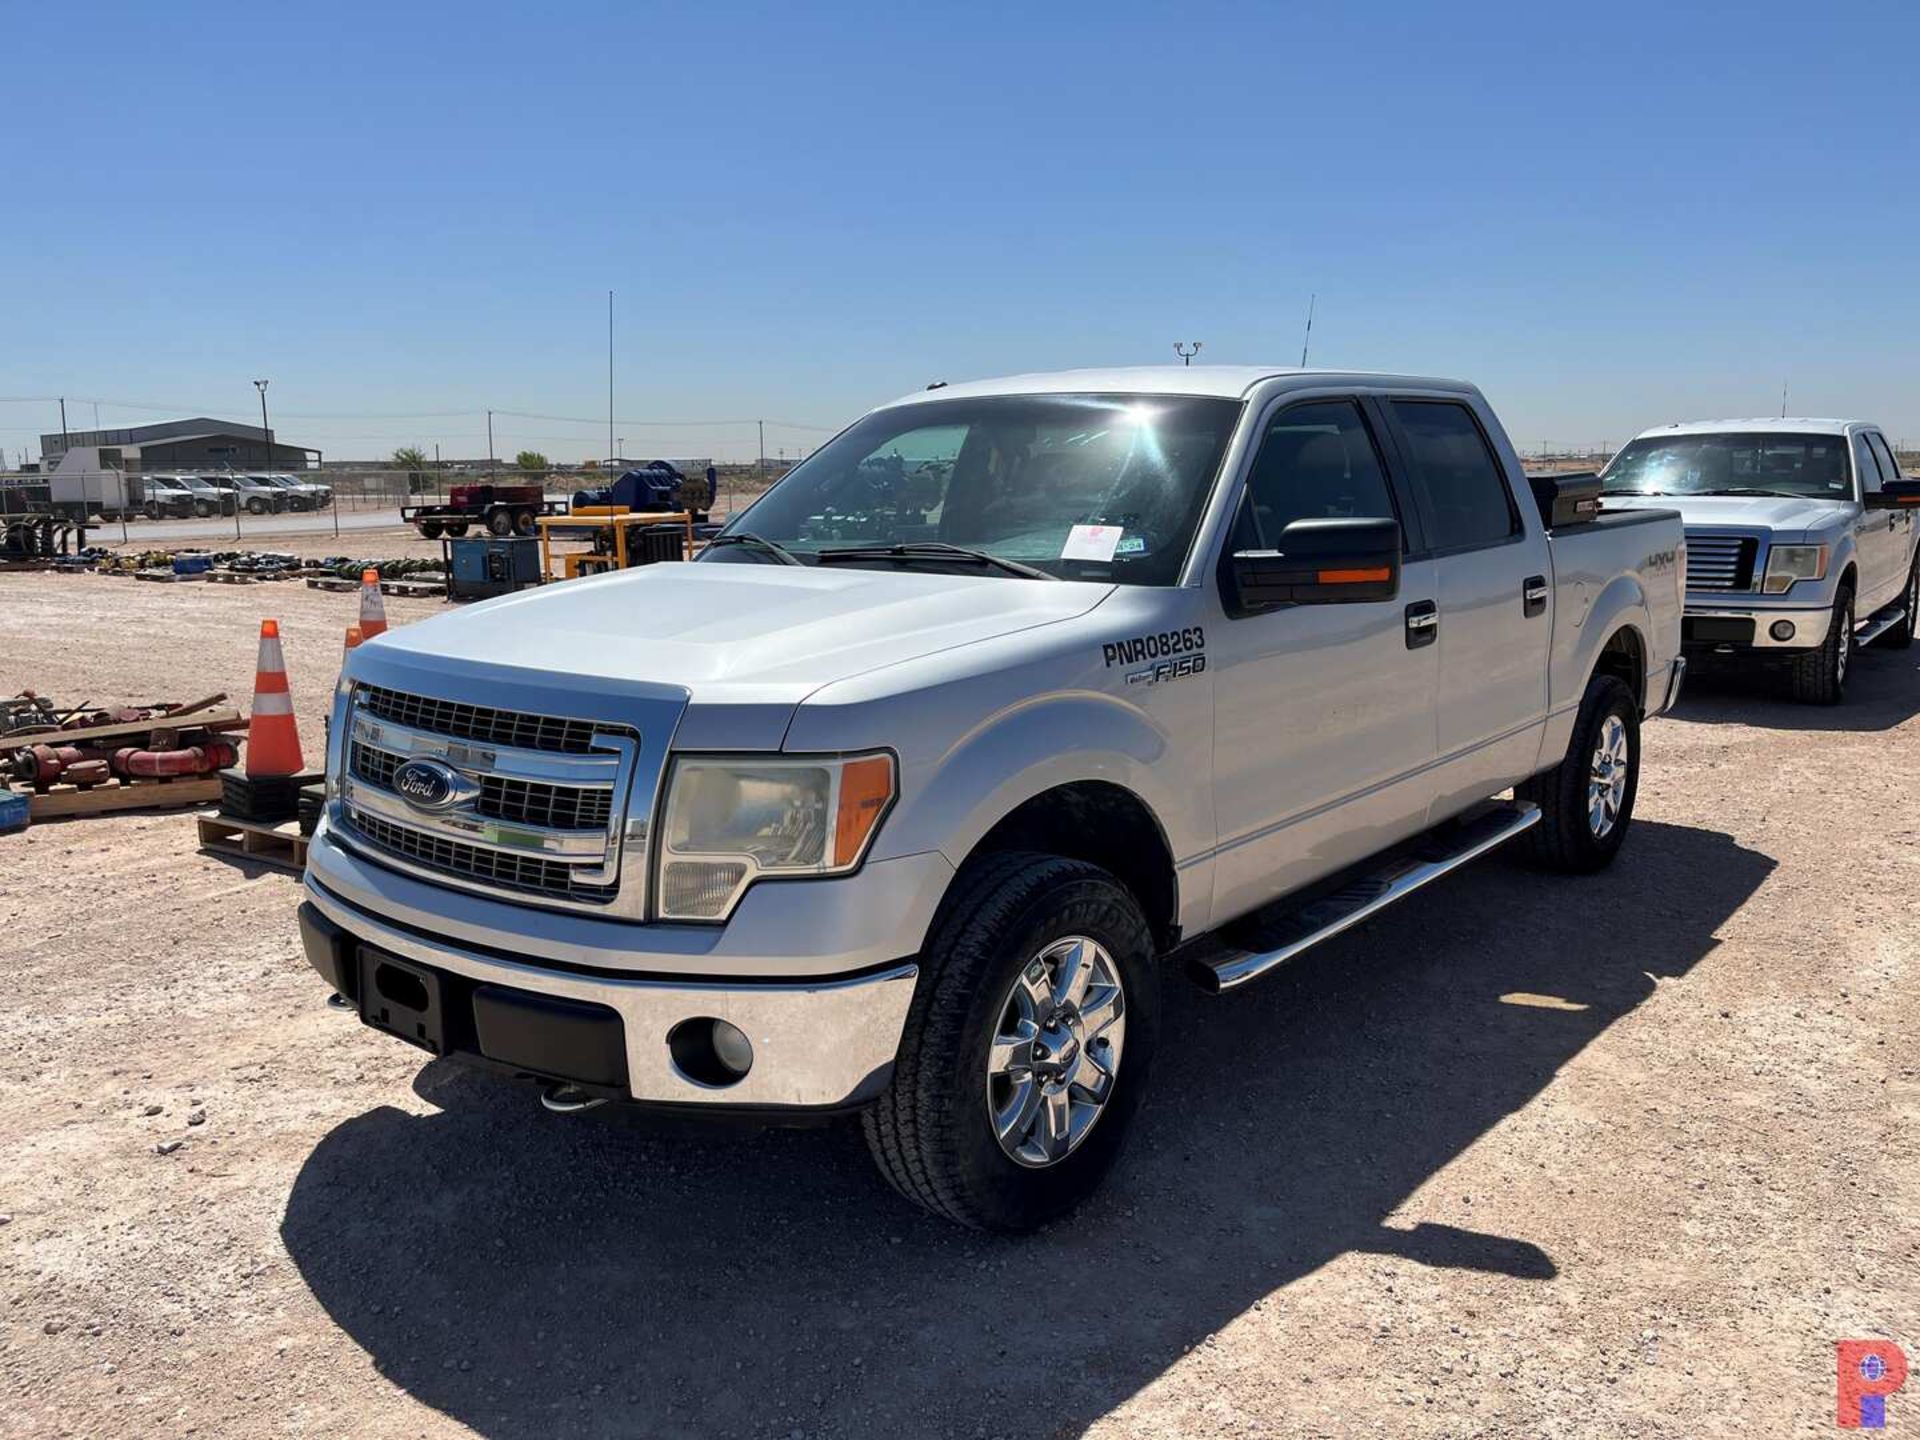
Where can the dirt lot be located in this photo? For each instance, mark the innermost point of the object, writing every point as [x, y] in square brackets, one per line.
[1528, 1157]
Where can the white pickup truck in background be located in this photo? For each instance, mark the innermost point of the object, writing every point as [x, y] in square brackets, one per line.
[1802, 540]
[896, 799]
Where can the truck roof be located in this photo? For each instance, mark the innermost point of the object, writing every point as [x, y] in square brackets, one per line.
[1768, 424]
[1227, 381]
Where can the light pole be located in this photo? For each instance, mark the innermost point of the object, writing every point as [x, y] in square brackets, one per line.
[1187, 352]
[261, 386]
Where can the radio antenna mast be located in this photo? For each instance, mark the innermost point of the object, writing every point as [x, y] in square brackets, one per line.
[1309, 335]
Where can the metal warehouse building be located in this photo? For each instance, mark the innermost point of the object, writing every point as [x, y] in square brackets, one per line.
[199, 444]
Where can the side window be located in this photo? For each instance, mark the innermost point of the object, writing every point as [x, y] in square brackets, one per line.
[1865, 466]
[1315, 461]
[1889, 467]
[1465, 488]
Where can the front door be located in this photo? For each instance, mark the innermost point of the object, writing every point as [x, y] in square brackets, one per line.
[1324, 714]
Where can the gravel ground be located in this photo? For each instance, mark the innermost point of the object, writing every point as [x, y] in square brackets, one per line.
[1527, 1157]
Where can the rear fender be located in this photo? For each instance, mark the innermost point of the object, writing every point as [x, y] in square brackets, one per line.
[1623, 603]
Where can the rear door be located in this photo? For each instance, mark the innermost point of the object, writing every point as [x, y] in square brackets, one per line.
[1324, 714]
[1877, 539]
[1493, 577]
[1900, 520]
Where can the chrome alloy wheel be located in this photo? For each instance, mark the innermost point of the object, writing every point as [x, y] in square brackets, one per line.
[1607, 778]
[1055, 1056]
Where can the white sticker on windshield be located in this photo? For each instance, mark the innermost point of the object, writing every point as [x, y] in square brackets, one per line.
[1091, 542]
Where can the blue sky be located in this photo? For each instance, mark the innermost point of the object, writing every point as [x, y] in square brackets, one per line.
[1609, 217]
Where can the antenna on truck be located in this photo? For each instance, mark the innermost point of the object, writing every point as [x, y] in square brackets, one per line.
[1308, 340]
[1783, 399]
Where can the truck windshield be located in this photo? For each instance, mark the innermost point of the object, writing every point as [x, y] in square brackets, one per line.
[1083, 487]
[1760, 463]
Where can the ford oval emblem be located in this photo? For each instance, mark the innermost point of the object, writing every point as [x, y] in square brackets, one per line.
[429, 785]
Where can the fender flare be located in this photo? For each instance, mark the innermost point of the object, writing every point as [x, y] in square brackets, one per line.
[1033, 747]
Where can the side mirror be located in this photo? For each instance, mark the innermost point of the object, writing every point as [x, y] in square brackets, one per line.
[1895, 495]
[1320, 562]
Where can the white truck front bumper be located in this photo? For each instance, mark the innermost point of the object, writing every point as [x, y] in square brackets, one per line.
[611, 1010]
[818, 1045]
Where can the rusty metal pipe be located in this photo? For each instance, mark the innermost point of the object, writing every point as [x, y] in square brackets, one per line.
[158, 764]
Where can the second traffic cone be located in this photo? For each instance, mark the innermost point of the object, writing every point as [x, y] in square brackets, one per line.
[273, 740]
[373, 610]
[354, 636]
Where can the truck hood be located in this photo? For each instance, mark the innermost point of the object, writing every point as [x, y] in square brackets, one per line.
[1755, 512]
[732, 634]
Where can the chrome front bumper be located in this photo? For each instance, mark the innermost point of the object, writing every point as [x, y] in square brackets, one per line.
[817, 1044]
[1809, 626]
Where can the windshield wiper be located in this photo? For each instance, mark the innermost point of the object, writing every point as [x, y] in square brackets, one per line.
[932, 550]
[1636, 492]
[759, 542]
[1751, 490]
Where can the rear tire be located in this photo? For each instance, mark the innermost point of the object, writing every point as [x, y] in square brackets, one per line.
[1901, 635]
[256, 507]
[523, 522]
[500, 522]
[1819, 677]
[997, 965]
[1586, 801]
[432, 529]
[456, 528]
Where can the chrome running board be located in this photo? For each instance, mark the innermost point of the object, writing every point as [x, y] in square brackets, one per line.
[1871, 631]
[1286, 932]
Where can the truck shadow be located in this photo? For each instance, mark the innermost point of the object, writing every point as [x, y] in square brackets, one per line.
[1883, 692]
[600, 1275]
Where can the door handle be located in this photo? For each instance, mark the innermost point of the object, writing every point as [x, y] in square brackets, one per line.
[1423, 624]
[1533, 595]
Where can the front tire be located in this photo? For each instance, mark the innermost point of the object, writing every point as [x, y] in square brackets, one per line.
[1586, 801]
[500, 522]
[1027, 1047]
[1819, 677]
[432, 529]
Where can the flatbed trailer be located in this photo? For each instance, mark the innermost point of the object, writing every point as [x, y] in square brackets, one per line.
[499, 509]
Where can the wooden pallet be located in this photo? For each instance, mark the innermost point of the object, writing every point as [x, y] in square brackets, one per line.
[415, 588]
[230, 577]
[168, 577]
[331, 582]
[109, 796]
[281, 845]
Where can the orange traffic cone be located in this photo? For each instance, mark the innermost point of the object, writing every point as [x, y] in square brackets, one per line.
[373, 611]
[273, 740]
[354, 636]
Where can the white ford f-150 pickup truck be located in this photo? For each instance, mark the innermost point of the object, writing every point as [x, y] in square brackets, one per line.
[896, 798]
[1801, 540]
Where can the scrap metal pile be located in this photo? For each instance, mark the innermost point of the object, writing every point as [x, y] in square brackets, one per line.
[38, 540]
[43, 745]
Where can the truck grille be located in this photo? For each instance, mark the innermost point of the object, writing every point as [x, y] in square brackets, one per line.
[473, 862]
[1720, 562]
[524, 802]
[479, 722]
[542, 808]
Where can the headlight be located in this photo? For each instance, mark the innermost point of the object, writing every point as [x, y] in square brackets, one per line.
[731, 821]
[1788, 563]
